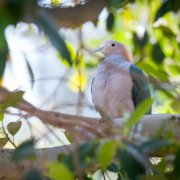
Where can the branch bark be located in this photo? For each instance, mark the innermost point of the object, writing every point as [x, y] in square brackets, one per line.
[71, 16]
[82, 129]
[85, 128]
[10, 170]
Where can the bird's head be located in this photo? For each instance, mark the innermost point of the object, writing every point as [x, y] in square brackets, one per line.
[114, 47]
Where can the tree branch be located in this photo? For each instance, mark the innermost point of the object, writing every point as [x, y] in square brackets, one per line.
[11, 170]
[83, 129]
[71, 16]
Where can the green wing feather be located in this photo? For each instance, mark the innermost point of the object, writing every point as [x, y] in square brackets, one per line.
[140, 89]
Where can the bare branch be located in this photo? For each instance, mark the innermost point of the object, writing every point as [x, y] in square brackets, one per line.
[71, 16]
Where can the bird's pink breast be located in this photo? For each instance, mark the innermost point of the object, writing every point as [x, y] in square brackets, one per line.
[112, 91]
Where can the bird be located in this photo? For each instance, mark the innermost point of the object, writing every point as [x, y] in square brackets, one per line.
[118, 86]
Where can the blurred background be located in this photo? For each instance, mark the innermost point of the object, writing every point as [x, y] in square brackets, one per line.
[57, 76]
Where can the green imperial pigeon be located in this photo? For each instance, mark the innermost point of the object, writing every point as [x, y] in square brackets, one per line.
[118, 86]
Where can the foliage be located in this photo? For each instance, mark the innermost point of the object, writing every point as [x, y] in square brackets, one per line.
[151, 30]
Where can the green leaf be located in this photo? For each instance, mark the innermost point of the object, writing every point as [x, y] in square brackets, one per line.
[46, 23]
[140, 41]
[114, 167]
[141, 109]
[87, 153]
[87, 177]
[106, 153]
[154, 177]
[157, 72]
[154, 145]
[90, 65]
[166, 31]
[13, 127]
[25, 150]
[176, 104]
[16, 9]
[116, 4]
[161, 166]
[29, 70]
[157, 53]
[169, 5]
[162, 10]
[33, 174]
[177, 164]
[58, 171]
[3, 142]
[130, 164]
[1, 116]
[174, 69]
[11, 12]
[110, 22]
[66, 159]
[12, 99]
[3, 51]
[68, 136]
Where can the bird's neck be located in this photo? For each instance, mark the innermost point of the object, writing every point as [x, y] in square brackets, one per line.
[117, 60]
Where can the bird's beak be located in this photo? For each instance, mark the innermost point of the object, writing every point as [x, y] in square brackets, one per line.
[99, 49]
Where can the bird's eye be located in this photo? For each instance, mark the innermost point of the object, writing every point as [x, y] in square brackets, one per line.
[112, 44]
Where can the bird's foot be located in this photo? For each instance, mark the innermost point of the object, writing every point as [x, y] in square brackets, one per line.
[105, 120]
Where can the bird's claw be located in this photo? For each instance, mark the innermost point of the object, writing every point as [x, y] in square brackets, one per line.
[105, 120]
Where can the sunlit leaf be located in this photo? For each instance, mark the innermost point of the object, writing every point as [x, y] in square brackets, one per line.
[127, 16]
[106, 153]
[161, 166]
[72, 51]
[157, 72]
[1, 116]
[46, 23]
[24, 150]
[59, 171]
[141, 109]
[90, 65]
[12, 99]
[174, 69]
[87, 177]
[3, 142]
[14, 127]
[56, 2]
[176, 104]
[77, 82]
[68, 136]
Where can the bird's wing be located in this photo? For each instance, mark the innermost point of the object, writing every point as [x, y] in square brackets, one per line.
[92, 85]
[97, 109]
[140, 89]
